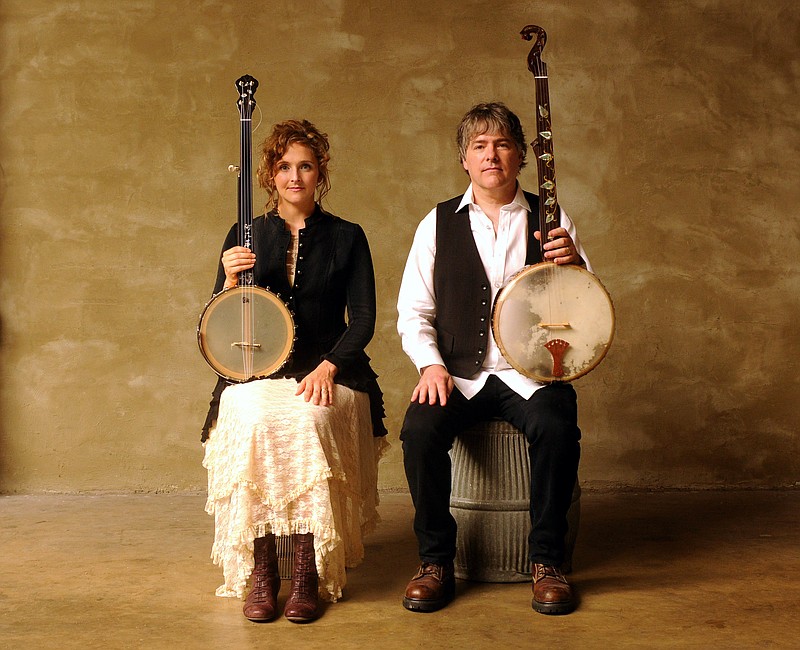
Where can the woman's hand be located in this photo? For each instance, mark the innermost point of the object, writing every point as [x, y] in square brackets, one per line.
[560, 248]
[317, 386]
[234, 261]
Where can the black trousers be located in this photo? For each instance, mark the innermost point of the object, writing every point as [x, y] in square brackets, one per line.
[549, 420]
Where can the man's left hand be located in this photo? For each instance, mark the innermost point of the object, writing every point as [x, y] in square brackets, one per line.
[560, 248]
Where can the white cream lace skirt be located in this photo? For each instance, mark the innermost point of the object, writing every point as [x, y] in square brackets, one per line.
[278, 464]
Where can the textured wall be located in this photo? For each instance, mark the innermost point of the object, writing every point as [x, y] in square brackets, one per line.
[676, 135]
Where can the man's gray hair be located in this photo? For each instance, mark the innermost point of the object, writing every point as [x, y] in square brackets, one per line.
[491, 117]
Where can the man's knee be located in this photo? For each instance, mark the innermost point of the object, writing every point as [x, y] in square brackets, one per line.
[551, 416]
[425, 429]
[554, 431]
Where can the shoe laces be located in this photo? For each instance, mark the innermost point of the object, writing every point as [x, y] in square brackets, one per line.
[547, 571]
[433, 570]
[304, 579]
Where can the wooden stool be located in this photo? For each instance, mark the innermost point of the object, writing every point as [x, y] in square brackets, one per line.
[490, 500]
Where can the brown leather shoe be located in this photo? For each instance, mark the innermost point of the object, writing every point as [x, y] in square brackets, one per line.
[261, 604]
[551, 591]
[303, 603]
[431, 588]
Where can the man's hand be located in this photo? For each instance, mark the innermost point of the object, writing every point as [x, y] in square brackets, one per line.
[435, 385]
[560, 248]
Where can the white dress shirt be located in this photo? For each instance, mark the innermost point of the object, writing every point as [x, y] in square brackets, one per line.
[502, 254]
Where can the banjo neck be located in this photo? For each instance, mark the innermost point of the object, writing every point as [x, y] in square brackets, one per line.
[245, 332]
[247, 86]
[543, 144]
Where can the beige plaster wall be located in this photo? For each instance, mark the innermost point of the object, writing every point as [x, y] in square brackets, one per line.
[676, 127]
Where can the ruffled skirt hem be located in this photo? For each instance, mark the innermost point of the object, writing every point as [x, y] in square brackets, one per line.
[277, 464]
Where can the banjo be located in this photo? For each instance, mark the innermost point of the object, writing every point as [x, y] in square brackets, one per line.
[245, 332]
[551, 322]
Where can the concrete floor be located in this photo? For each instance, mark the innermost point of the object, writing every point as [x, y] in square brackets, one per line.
[663, 570]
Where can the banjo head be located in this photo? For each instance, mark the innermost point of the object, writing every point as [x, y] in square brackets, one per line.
[245, 333]
[553, 322]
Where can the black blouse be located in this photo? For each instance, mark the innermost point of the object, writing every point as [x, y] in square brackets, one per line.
[332, 300]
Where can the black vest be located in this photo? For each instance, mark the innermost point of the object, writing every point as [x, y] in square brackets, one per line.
[463, 294]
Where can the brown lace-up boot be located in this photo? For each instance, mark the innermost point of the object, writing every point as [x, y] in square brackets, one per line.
[303, 603]
[551, 591]
[433, 586]
[261, 603]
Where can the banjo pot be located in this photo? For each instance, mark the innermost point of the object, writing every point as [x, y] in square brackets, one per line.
[553, 335]
[245, 332]
[551, 322]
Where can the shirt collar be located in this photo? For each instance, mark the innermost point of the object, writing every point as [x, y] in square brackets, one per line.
[518, 200]
[318, 215]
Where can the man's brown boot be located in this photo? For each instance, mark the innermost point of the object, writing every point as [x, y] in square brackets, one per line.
[433, 586]
[551, 591]
[261, 604]
[303, 603]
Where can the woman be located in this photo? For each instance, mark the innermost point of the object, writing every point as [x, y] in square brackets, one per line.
[296, 454]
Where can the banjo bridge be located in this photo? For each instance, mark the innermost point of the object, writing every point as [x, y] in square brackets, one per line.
[245, 344]
[555, 325]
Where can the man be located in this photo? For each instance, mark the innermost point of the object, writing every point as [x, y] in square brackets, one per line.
[464, 251]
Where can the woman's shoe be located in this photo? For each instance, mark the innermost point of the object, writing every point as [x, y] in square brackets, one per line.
[261, 604]
[303, 603]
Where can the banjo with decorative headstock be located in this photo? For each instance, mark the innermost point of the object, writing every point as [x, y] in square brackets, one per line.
[245, 332]
[551, 322]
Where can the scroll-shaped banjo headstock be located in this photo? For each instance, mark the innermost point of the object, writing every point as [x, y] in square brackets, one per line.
[535, 63]
[247, 90]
